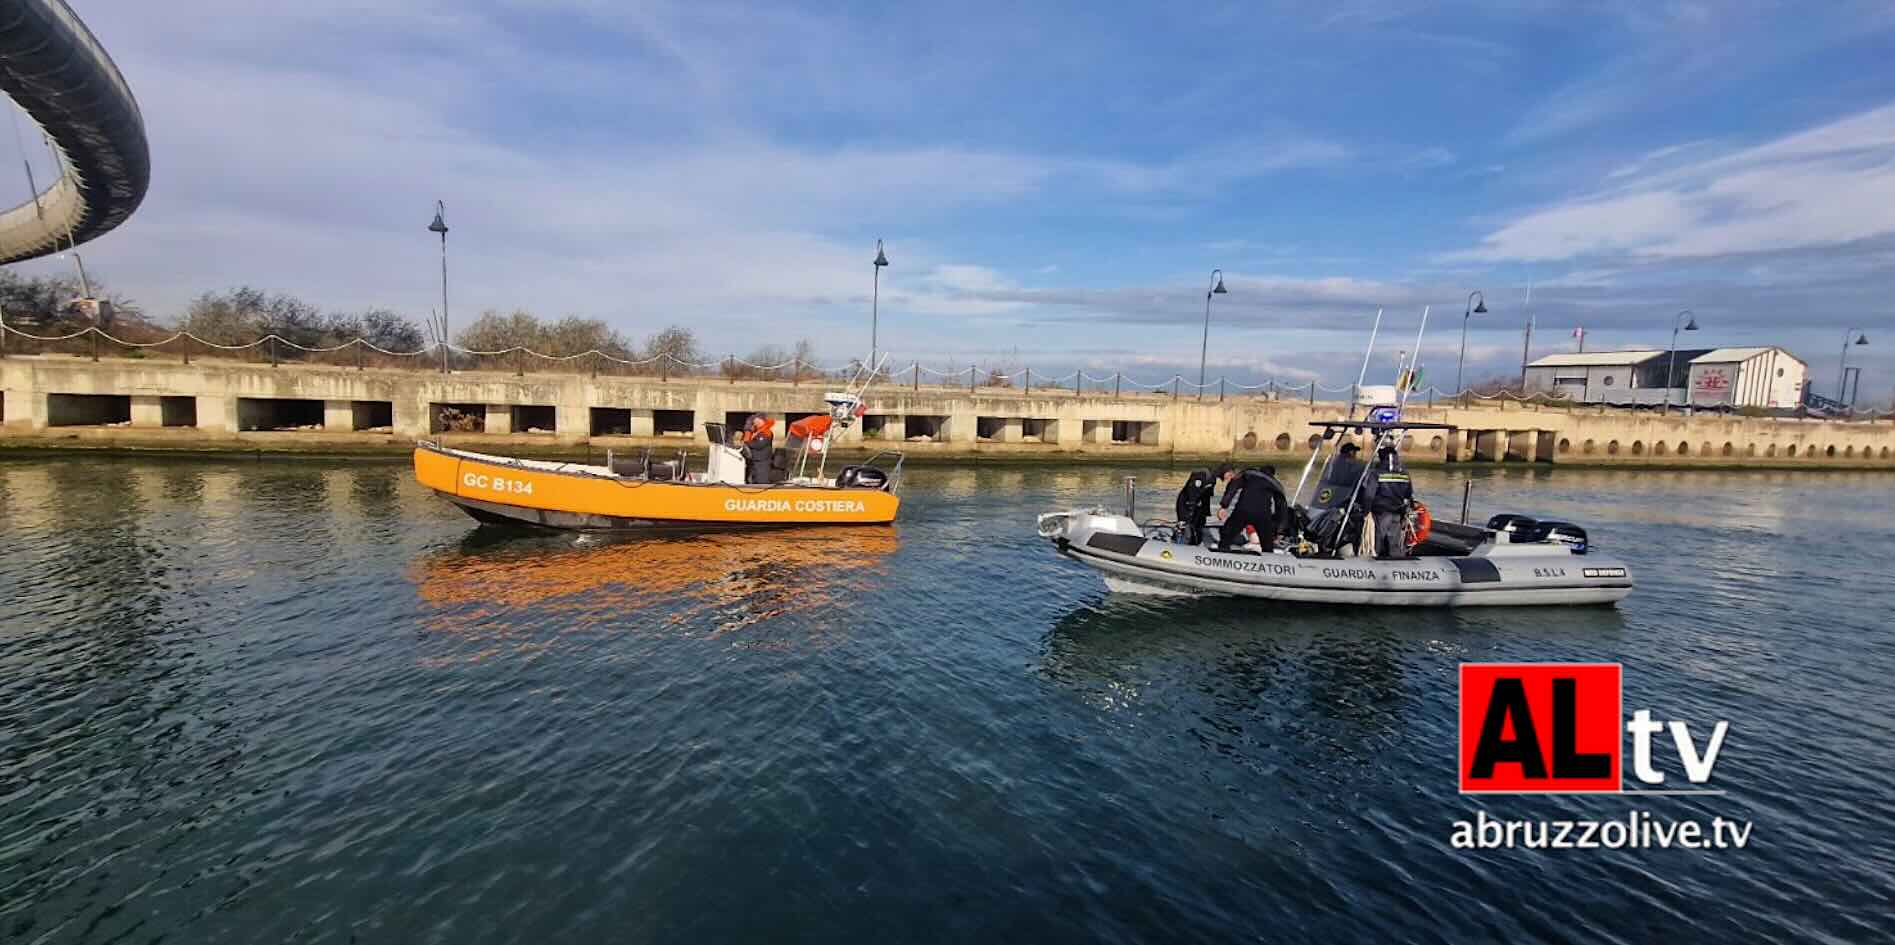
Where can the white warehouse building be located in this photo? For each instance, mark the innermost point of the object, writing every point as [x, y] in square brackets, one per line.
[1767, 377]
[1747, 377]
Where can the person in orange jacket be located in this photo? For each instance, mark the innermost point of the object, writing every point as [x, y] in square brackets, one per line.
[758, 441]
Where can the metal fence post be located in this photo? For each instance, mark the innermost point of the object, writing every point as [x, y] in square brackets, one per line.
[730, 368]
[1220, 390]
[361, 356]
[1029, 380]
[1175, 379]
[970, 378]
[916, 370]
[1117, 376]
[95, 342]
[664, 367]
[1312, 393]
[273, 350]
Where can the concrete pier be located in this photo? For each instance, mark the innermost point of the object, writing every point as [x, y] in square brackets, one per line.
[56, 400]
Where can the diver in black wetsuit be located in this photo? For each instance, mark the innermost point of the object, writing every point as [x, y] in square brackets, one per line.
[1340, 482]
[1253, 499]
[1194, 505]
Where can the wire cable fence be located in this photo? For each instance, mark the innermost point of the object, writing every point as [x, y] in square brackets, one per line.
[95, 342]
[359, 353]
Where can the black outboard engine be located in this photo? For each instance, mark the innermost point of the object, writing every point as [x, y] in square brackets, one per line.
[1519, 529]
[862, 477]
[1568, 534]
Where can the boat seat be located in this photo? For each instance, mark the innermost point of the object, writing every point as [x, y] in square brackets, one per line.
[632, 468]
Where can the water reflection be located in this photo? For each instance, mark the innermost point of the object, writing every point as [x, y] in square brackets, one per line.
[725, 582]
[1274, 688]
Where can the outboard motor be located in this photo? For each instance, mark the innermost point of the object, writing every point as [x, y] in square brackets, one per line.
[1568, 534]
[1518, 529]
[862, 477]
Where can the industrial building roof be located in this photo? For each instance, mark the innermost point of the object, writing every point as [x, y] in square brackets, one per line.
[1728, 355]
[1640, 356]
[1595, 359]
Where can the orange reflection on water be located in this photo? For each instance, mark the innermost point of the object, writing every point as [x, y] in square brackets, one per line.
[713, 584]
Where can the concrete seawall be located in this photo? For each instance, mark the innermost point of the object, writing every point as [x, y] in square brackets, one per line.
[62, 401]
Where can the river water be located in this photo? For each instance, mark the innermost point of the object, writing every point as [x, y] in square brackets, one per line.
[300, 701]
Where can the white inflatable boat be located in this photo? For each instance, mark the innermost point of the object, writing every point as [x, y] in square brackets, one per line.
[1514, 561]
[1495, 571]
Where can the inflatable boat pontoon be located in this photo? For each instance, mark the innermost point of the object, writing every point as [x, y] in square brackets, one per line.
[1514, 561]
[1496, 570]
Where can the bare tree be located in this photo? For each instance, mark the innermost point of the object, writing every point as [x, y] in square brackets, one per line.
[679, 344]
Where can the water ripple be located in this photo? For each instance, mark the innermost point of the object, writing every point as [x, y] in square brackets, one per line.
[306, 701]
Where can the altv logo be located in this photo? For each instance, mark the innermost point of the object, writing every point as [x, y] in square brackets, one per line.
[1554, 728]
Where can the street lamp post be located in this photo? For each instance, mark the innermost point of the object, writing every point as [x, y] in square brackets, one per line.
[1473, 309]
[875, 304]
[1690, 323]
[1853, 336]
[1204, 349]
[440, 226]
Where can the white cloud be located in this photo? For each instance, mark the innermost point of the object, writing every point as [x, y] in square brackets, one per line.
[1825, 186]
[1679, 52]
[302, 152]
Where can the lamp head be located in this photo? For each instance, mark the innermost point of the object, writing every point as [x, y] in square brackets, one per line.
[1220, 290]
[439, 225]
[1691, 324]
[1480, 308]
[881, 258]
[1862, 339]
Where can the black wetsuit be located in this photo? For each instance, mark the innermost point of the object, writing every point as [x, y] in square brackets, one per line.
[1341, 480]
[1255, 501]
[1194, 506]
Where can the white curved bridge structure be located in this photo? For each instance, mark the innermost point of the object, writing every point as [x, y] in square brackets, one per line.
[53, 68]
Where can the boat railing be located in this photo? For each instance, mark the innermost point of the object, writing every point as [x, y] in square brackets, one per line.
[894, 473]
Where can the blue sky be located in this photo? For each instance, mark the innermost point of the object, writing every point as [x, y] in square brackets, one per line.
[1054, 184]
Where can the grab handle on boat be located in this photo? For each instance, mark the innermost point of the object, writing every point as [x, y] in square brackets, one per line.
[1131, 497]
[1467, 492]
[1052, 524]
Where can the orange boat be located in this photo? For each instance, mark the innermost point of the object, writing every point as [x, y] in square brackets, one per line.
[648, 494]
[504, 490]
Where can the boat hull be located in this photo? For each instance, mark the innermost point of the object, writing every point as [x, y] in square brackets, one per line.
[1504, 576]
[499, 490]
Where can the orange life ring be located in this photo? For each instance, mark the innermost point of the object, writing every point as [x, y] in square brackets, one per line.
[1424, 523]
